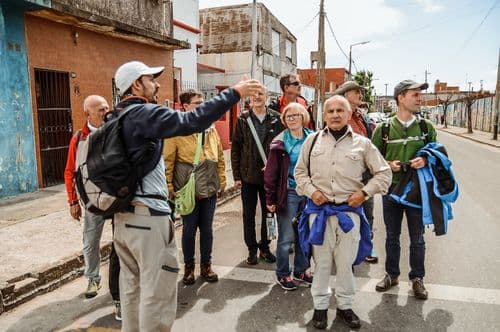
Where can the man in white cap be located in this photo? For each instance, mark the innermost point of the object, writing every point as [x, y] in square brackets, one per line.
[144, 235]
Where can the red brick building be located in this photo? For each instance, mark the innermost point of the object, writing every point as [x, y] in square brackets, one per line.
[334, 77]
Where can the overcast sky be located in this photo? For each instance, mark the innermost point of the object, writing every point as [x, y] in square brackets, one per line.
[407, 37]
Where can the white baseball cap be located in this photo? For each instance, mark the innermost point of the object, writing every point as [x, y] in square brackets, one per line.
[131, 71]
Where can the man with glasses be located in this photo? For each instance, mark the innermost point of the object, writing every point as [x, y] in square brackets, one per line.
[248, 170]
[290, 85]
[210, 178]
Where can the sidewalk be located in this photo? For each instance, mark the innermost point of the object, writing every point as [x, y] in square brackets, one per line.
[42, 243]
[477, 135]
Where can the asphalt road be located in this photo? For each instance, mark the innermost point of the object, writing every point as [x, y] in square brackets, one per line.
[462, 276]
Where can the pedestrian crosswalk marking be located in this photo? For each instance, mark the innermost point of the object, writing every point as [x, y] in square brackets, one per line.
[436, 291]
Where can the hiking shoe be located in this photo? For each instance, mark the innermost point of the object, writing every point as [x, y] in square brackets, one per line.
[92, 289]
[207, 273]
[252, 259]
[304, 277]
[349, 318]
[372, 258]
[418, 289]
[267, 256]
[287, 283]
[320, 319]
[386, 283]
[188, 278]
[118, 310]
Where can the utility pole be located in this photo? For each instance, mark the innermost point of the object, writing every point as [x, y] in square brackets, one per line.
[253, 73]
[320, 59]
[425, 97]
[427, 73]
[497, 101]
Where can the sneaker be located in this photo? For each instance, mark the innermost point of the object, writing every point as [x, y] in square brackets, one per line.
[386, 283]
[320, 319]
[349, 318]
[287, 283]
[372, 258]
[418, 289]
[92, 289]
[252, 259]
[118, 310]
[304, 277]
[267, 256]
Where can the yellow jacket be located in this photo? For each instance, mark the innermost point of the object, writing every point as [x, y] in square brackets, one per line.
[181, 149]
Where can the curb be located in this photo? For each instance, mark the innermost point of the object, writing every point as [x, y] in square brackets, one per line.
[23, 288]
[468, 137]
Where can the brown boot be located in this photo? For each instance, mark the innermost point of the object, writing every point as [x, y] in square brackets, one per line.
[188, 278]
[207, 273]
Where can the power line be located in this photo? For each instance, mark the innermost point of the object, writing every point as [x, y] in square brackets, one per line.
[298, 33]
[335, 37]
[495, 3]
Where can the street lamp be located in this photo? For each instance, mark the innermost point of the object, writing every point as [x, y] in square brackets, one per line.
[350, 54]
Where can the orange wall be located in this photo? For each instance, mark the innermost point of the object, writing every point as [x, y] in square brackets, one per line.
[94, 59]
[335, 75]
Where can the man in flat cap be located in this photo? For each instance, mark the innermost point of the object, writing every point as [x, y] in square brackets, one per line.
[399, 143]
[353, 92]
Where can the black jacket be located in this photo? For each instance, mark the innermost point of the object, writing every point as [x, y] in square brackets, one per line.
[245, 158]
[145, 127]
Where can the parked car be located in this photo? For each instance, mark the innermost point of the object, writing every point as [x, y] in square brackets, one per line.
[376, 117]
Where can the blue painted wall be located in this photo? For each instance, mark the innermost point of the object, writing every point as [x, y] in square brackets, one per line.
[17, 145]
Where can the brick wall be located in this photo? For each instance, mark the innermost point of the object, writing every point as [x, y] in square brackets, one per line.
[94, 59]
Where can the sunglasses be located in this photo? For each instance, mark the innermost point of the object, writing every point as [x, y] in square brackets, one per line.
[296, 83]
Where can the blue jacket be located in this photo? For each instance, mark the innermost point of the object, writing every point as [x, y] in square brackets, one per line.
[316, 235]
[432, 188]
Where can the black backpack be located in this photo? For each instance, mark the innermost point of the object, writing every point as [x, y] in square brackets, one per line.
[106, 180]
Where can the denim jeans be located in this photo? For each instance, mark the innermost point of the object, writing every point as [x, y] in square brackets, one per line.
[92, 231]
[249, 194]
[393, 217]
[202, 217]
[286, 236]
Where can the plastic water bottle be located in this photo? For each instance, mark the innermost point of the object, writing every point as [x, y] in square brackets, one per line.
[272, 226]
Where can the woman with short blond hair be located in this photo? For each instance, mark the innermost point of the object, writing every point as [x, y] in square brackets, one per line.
[281, 197]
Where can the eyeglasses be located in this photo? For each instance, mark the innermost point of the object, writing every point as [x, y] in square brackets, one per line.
[296, 83]
[291, 117]
[199, 102]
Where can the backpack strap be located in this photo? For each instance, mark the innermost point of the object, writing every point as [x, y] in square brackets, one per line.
[424, 134]
[424, 130]
[315, 138]
[386, 128]
[78, 136]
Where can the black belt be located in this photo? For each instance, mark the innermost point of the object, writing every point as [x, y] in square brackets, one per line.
[152, 212]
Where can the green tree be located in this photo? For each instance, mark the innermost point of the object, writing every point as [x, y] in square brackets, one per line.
[365, 78]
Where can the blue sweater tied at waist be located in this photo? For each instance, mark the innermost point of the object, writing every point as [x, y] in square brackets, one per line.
[316, 234]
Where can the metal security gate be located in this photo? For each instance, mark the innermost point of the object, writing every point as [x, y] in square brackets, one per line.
[54, 123]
